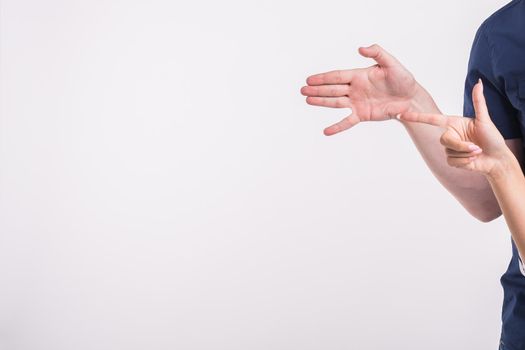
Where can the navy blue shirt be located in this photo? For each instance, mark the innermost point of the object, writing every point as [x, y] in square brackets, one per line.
[498, 58]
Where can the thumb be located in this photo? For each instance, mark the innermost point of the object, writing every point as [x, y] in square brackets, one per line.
[380, 55]
[480, 105]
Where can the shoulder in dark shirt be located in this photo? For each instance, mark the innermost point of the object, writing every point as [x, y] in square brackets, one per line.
[498, 58]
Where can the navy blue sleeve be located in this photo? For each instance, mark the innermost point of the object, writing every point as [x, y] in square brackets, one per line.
[481, 65]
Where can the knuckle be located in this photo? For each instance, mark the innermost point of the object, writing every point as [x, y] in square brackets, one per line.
[442, 140]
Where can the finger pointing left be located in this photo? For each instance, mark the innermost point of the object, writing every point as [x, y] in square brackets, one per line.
[427, 118]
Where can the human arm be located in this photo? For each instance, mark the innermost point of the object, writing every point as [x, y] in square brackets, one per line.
[487, 62]
[471, 190]
[508, 184]
[476, 145]
[381, 91]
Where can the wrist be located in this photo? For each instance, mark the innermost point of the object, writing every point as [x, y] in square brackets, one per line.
[421, 101]
[505, 165]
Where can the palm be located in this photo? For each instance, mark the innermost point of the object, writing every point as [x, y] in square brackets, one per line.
[377, 93]
[374, 93]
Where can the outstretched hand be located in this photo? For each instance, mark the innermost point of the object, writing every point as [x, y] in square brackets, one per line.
[376, 93]
[470, 143]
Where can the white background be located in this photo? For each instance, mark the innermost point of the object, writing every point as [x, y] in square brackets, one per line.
[164, 185]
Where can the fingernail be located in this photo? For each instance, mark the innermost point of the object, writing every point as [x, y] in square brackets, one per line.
[473, 147]
[398, 116]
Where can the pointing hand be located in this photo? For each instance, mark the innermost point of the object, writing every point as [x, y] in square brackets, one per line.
[470, 143]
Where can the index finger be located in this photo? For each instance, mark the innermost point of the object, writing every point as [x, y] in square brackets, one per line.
[427, 118]
[333, 77]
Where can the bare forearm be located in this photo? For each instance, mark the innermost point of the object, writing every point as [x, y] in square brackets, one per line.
[508, 184]
[471, 189]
